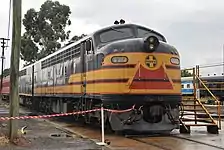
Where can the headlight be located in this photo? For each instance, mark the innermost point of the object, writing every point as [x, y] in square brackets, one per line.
[151, 46]
[119, 59]
[175, 61]
[151, 43]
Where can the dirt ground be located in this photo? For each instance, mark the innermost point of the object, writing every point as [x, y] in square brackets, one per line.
[41, 135]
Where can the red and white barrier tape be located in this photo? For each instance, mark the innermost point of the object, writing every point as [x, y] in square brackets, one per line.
[120, 111]
[64, 114]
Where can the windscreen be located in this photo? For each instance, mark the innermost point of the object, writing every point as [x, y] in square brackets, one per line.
[114, 34]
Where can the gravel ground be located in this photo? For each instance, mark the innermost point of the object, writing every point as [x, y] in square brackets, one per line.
[39, 137]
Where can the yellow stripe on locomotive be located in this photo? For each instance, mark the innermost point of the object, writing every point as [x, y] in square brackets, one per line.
[116, 78]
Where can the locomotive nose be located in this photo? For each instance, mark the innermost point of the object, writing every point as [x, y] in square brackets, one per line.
[151, 43]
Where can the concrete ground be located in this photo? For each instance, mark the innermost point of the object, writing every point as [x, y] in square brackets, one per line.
[39, 136]
[42, 136]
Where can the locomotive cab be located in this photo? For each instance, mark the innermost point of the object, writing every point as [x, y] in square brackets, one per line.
[122, 32]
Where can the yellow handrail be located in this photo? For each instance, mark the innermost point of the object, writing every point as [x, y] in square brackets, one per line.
[216, 100]
[206, 110]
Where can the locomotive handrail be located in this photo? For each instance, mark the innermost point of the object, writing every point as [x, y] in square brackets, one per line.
[216, 100]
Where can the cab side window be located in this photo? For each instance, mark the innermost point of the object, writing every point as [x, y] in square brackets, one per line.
[188, 85]
[182, 86]
[89, 46]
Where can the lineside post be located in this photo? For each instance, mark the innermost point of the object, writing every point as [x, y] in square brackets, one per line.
[14, 69]
[3, 57]
[102, 143]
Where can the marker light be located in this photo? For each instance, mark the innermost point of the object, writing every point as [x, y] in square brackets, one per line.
[175, 61]
[119, 59]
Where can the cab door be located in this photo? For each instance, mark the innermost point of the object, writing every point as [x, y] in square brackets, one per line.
[83, 69]
[90, 61]
[87, 63]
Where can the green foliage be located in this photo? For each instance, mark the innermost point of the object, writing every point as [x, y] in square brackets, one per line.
[185, 73]
[45, 29]
[76, 38]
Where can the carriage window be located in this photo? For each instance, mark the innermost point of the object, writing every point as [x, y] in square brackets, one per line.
[144, 32]
[116, 34]
[218, 85]
[222, 85]
[188, 85]
[182, 86]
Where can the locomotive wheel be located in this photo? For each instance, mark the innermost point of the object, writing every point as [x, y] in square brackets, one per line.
[48, 107]
[82, 120]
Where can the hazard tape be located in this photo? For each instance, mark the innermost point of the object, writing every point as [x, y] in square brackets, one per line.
[64, 114]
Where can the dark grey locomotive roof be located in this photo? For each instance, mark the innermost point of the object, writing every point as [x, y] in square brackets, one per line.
[128, 25]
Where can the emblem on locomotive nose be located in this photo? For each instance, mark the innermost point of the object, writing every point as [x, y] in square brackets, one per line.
[151, 61]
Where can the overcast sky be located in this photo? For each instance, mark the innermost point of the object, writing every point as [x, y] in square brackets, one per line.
[194, 27]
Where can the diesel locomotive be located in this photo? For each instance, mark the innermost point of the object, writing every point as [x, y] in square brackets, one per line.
[117, 66]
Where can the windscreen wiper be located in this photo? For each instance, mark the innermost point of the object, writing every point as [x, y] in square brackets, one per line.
[116, 30]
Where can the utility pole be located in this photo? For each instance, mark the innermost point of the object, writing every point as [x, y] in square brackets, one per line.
[14, 69]
[3, 57]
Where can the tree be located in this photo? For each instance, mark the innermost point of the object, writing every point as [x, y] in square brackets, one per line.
[45, 29]
[185, 73]
[76, 38]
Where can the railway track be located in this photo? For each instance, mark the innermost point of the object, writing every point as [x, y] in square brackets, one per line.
[199, 142]
[162, 147]
[170, 142]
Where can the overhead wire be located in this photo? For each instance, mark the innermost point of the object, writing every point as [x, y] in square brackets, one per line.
[215, 65]
[207, 65]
